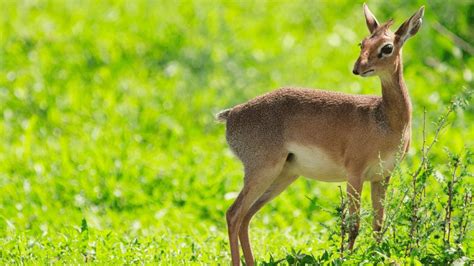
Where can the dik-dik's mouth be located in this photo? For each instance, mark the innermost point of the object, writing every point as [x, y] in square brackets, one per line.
[368, 73]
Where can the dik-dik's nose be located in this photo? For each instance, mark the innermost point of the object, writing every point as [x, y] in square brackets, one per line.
[355, 70]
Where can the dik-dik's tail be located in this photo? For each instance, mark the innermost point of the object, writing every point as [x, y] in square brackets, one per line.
[222, 115]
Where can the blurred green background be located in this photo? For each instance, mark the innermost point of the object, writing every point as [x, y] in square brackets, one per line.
[108, 146]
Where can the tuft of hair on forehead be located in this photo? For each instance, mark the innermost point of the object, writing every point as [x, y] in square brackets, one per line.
[383, 28]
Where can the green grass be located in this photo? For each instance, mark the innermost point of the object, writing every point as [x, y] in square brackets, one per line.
[109, 151]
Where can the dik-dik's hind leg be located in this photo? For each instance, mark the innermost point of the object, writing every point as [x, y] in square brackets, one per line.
[257, 181]
[279, 185]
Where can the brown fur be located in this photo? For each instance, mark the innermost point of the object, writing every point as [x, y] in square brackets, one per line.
[354, 131]
[315, 117]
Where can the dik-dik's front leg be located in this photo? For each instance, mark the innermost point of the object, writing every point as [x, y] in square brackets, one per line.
[354, 189]
[378, 189]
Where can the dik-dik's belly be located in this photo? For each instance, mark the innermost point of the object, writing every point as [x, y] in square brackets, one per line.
[313, 162]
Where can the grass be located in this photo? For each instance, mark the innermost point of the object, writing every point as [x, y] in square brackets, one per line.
[109, 151]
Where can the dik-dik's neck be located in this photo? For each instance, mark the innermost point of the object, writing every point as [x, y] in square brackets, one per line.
[395, 99]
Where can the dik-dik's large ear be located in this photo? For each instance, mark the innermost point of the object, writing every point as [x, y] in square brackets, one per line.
[370, 19]
[410, 27]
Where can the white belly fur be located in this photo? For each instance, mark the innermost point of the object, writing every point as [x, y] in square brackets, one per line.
[313, 162]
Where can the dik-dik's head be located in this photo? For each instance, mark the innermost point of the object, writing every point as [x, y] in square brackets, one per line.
[381, 49]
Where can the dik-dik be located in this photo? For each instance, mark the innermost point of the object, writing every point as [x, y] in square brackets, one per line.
[324, 135]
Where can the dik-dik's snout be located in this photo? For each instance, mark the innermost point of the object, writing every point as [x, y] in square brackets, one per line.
[355, 70]
[362, 67]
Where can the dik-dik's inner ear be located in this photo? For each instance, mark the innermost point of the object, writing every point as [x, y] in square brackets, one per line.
[411, 26]
[370, 19]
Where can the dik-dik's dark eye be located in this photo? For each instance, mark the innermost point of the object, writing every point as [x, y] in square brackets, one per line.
[387, 49]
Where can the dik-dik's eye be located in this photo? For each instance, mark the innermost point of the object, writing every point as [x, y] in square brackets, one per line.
[387, 49]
